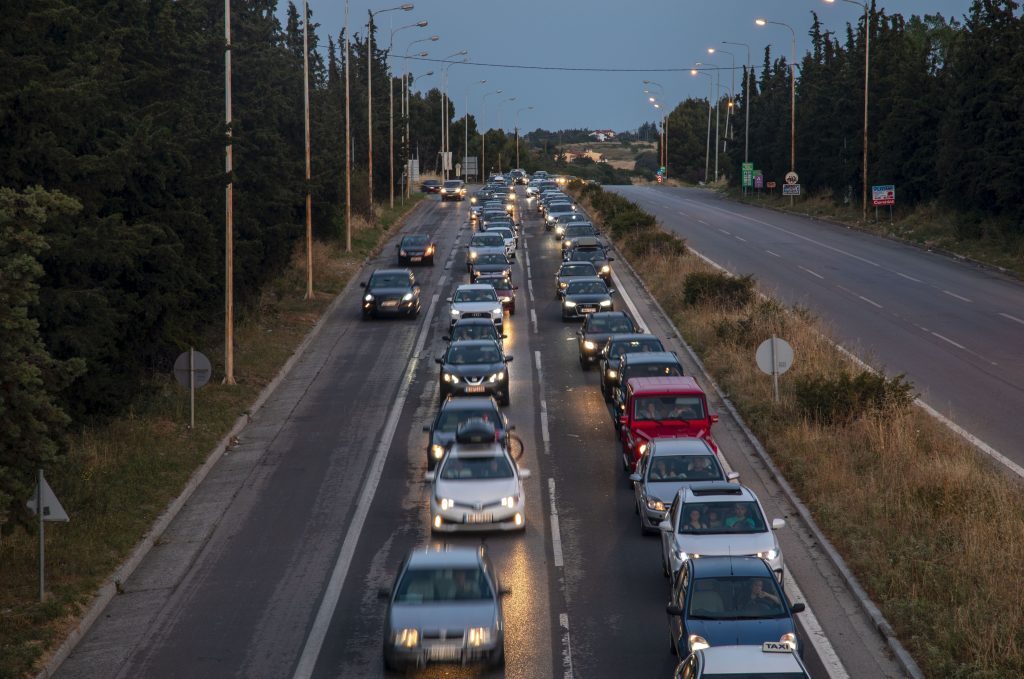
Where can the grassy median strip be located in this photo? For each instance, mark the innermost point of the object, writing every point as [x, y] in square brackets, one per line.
[932, 529]
[119, 476]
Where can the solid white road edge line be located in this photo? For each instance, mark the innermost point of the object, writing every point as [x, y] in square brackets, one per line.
[545, 434]
[317, 633]
[629, 303]
[563, 620]
[556, 533]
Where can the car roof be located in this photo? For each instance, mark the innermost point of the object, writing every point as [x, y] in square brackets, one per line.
[680, 446]
[743, 659]
[588, 279]
[446, 557]
[633, 337]
[718, 566]
[491, 448]
[661, 385]
[474, 342]
[576, 264]
[606, 314]
[653, 357]
[474, 286]
[469, 402]
[392, 271]
[713, 491]
[477, 320]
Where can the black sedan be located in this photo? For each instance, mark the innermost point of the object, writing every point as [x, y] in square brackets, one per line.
[416, 248]
[455, 412]
[596, 256]
[614, 349]
[569, 271]
[596, 330]
[473, 368]
[489, 264]
[391, 292]
[430, 186]
[585, 296]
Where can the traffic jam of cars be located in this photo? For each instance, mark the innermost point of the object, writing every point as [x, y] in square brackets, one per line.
[727, 611]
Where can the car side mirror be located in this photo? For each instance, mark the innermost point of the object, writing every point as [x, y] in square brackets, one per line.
[524, 473]
[511, 427]
[612, 291]
[439, 361]
[362, 284]
[623, 420]
[673, 610]
[504, 337]
[665, 526]
[426, 428]
[415, 285]
[636, 477]
[798, 608]
[611, 259]
[733, 476]
[778, 523]
[448, 299]
[383, 593]
[508, 359]
[515, 287]
[446, 338]
[714, 418]
[579, 333]
[429, 476]
[505, 591]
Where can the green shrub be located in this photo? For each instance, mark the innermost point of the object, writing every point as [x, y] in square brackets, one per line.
[628, 222]
[842, 399]
[654, 242]
[767, 317]
[719, 289]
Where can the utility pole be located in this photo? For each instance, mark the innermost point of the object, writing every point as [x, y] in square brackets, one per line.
[309, 197]
[229, 228]
[348, 144]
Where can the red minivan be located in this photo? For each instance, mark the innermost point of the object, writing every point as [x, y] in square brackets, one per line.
[662, 407]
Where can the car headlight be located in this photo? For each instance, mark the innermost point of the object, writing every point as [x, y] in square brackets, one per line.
[588, 345]
[685, 556]
[606, 302]
[496, 311]
[402, 253]
[697, 643]
[437, 451]
[429, 251]
[642, 448]
[407, 297]
[448, 377]
[789, 639]
[771, 554]
[472, 255]
[455, 312]
[473, 200]
[510, 501]
[407, 637]
[566, 244]
[478, 636]
[368, 298]
[605, 269]
[656, 505]
[563, 285]
[444, 190]
[497, 377]
[612, 374]
[560, 230]
[569, 303]
[445, 503]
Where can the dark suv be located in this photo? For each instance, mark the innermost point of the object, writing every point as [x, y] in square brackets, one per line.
[453, 189]
[455, 412]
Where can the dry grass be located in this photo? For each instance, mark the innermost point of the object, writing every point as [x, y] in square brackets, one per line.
[933, 531]
[118, 477]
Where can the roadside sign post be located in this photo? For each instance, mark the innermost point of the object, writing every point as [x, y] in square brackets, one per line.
[747, 176]
[758, 182]
[774, 356]
[192, 369]
[883, 195]
[46, 507]
[792, 180]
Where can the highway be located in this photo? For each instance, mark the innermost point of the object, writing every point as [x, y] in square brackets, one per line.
[954, 328]
[272, 569]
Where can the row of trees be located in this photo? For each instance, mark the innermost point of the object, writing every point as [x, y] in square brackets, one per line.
[945, 115]
[112, 190]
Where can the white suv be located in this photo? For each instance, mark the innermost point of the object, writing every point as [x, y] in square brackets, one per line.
[475, 300]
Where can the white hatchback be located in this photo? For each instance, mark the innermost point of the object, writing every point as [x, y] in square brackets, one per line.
[475, 300]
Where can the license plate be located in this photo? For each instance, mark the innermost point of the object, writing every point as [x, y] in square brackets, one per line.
[446, 652]
[587, 309]
[479, 518]
[389, 303]
[416, 259]
[475, 389]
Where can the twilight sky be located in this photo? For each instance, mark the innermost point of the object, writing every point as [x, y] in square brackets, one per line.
[645, 35]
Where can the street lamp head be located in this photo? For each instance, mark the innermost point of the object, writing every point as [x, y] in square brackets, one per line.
[435, 38]
[761, 22]
[423, 54]
[651, 99]
[407, 6]
[421, 24]
[711, 50]
[693, 71]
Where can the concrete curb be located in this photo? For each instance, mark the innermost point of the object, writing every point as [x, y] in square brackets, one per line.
[869, 608]
[113, 584]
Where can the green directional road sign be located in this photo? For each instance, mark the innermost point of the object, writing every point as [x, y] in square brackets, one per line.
[748, 174]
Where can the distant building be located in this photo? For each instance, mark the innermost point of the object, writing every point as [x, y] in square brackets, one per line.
[602, 135]
[569, 156]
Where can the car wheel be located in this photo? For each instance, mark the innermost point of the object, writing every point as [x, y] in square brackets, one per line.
[430, 261]
[664, 565]
[584, 363]
[512, 310]
[506, 399]
[644, 530]
[672, 648]
[497, 657]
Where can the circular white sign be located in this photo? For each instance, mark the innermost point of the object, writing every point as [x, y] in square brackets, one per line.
[783, 356]
[200, 366]
[792, 177]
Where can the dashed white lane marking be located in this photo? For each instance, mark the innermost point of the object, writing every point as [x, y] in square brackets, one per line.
[701, 221]
[563, 620]
[827, 654]
[556, 533]
[959, 297]
[1012, 318]
[526, 256]
[909, 278]
[533, 317]
[773, 254]
[621, 291]
[318, 632]
[744, 240]
[871, 302]
[529, 287]
[946, 339]
[725, 232]
[813, 273]
[545, 433]
[442, 279]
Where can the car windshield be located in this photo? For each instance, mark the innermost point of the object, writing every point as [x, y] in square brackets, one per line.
[650, 370]
[559, 207]
[684, 468]
[586, 288]
[474, 331]
[618, 349]
[430, 585]
[491, 258]
[389, 280]
[577, 270]
[736, 598]
[416, 240]
[449, 420]
[660, 408]
[501, 231]
[609, 324]
[501, 284]
[476, 468]
[452, 185]
[715, 518]
[576, 230]
[482, 353]
[477, 295]
[589, 255]
[488, 240]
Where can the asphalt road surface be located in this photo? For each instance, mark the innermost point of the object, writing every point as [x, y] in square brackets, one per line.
[272, 568]
[955, 329]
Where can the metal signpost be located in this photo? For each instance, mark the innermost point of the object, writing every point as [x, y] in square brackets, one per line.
[774, 357]
[883, 195]
[748, 176]
[792, 186]
[758, 182]
[469, 167]
[770, 186]
[44, 505]
[192, 369]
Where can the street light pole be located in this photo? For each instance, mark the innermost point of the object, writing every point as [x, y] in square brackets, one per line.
[309, 197]
[445, 116]
[391, 109]
[465, 165]
[792, 96]
[663, 137]
[405, 103]
[408, 137]
[746, 102]
[483, 133]
[718, 99]
[500, 104]
[229, 216]
[369, 92]
[348, 143]
[867, 68]
[525, 108]
[732, 93]
[707, 152]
